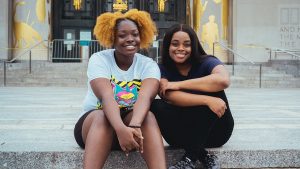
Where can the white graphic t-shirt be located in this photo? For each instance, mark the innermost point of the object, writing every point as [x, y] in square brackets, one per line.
[125, 84]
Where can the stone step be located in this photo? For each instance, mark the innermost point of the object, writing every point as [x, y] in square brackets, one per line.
[266, 70]
[45, 84]
[46, 73]
[117, 160]
[235, 82]
[263, 85]
[36, 129]
[36, 74]
[265, 78]
[41, 64]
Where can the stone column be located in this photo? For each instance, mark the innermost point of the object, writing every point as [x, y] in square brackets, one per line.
[5, 29]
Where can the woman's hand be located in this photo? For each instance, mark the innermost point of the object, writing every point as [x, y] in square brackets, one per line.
[217, 105]
[126, 137]
[166, 85]
[163, 83]
[139, 139]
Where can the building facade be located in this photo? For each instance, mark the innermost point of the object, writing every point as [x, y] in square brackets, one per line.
[250, 27]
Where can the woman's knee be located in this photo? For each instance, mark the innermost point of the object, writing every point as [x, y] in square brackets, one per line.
[100, 120]
[96, 119]
[149, 120]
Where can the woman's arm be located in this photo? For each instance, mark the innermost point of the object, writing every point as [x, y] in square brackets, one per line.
[218, 80]
[102, 89]
[147, 93]
[180, 98]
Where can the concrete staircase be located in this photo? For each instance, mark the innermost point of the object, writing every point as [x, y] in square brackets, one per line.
[36, 130]
[46, 73]
[288, 66]
[271, 77]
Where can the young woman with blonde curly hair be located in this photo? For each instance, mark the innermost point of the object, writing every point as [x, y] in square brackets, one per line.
[121, 85]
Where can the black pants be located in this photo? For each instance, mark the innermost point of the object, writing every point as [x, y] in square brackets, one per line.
[193, 128]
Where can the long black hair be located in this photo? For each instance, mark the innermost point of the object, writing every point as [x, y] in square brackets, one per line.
[197, 53]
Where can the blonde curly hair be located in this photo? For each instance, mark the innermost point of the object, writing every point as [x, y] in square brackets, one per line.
[104, 29]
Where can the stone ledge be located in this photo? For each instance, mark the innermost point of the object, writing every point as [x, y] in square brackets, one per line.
[117, 159]
[36, 130]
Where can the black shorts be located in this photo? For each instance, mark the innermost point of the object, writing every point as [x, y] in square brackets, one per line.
[78, 128]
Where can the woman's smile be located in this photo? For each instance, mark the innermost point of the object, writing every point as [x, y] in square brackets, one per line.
[130, 47]
[180, 47]
[180, 55]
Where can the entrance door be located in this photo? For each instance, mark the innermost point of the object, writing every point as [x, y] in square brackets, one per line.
[67, 17]
[166, 13]
[71, 21]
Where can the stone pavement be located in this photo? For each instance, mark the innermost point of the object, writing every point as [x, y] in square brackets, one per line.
[36, 130]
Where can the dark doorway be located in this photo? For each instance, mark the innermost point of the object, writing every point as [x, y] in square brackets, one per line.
[71, 24]
[67, 21]
[174, 12]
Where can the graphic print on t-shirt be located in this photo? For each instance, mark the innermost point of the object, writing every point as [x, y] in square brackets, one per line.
[126, 93]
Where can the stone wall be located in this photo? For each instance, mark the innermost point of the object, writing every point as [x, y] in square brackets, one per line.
[4, 26]
[261, 24]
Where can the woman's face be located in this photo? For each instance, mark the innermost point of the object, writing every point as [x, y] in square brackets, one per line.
[180, 47]
[127, 38]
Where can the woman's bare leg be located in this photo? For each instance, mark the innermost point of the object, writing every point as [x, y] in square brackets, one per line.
[97, 135]
[154, 153]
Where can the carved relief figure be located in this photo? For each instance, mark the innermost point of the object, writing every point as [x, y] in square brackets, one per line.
[161, 5]
[24, 33]
[210, 32]
[77, 4]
